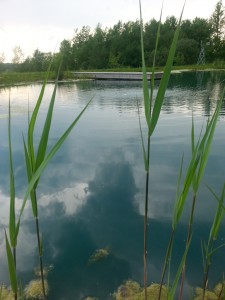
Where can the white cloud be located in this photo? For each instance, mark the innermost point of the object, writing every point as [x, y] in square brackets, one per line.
[72, 198]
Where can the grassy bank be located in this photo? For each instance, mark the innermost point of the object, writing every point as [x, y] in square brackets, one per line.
[11, 78]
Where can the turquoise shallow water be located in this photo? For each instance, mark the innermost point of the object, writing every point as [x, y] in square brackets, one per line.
[92, 194]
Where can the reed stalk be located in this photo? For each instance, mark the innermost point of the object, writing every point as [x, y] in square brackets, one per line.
[12, 216]
[152, 113]
[203, 146]
[209, 249]
[35, 166]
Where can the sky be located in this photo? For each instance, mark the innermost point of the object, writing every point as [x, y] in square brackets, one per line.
[43, 24]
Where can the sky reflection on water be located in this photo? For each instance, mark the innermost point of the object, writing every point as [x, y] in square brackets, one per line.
[91, 195]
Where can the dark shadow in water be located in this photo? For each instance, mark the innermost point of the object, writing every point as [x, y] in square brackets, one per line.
[110, 219]
[102, 223]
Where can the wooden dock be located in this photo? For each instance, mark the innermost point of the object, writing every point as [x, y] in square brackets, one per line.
[114, 75]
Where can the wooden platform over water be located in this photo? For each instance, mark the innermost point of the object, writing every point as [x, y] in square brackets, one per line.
[114, 75]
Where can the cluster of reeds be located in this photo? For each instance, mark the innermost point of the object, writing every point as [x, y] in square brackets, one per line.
[36, 161]
[193, 175]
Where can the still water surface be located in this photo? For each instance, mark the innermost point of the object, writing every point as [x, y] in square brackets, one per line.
[92, 194]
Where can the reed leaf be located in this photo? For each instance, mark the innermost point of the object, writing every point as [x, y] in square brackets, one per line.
[172, 291]
[154, 60]
[144, 74]
[29, 176]
[49, 156]
[11, 266]
[165, 79]
[179, 177]
[193, 150]
[12, 217]
[142, 140]
[33, 120]
[207, 140]
[218, 217]
[46, 129]
[179, 205]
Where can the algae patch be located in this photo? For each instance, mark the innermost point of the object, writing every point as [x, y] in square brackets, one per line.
[34, 289]
[98, 255]
[5, 293]
[215, 294]
[131, 290]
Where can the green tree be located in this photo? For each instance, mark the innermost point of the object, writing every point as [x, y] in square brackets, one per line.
[18, 55]
[2, 57]
[217, 22]
[99, 53]
[67, 55]
[40, 60]
[187, 52]
[81, 50]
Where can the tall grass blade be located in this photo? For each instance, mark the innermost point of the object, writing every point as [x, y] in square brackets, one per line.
[12, 217]
[29, 176]
[165, 79]
[144, 74]
[49, 156]
[45, 133]
[179, 205]
[179, 177]
[33, 119]
[142, 140]
[154, 61]
[11, 266]
[218, 217]
[209, 136]
[177, 277]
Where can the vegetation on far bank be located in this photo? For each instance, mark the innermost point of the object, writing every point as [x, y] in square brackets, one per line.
[118, 47]
[13, 78]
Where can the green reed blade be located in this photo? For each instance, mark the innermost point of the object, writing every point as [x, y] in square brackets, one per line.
[29, 176]
[203, 255]
[209, 136]
[142, 140]
[216, 197]
[46, 129]
[216, 249]
[12, 217]
[179, 205]
[179, 177]
[33, 120]
[172, 291]
[144, 74]
[193, 147]
[49, 156]
[218, 216]
[45, 133]
[11, 266]
[154, 60]
[165, 79]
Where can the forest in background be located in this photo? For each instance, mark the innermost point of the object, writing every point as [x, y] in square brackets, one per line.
[119, 46]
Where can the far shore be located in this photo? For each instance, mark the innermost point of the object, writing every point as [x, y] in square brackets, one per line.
[24, 78]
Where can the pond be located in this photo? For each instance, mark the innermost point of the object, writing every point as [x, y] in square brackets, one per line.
[91, 196]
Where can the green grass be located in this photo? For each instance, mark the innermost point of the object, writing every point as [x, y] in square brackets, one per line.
[10, 78]
[36, 162]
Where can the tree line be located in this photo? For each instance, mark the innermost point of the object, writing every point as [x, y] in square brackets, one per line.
[119, 46]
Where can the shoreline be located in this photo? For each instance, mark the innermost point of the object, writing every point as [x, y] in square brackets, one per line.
[14, 79]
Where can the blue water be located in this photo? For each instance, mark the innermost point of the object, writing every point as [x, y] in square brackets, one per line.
[91, 196]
